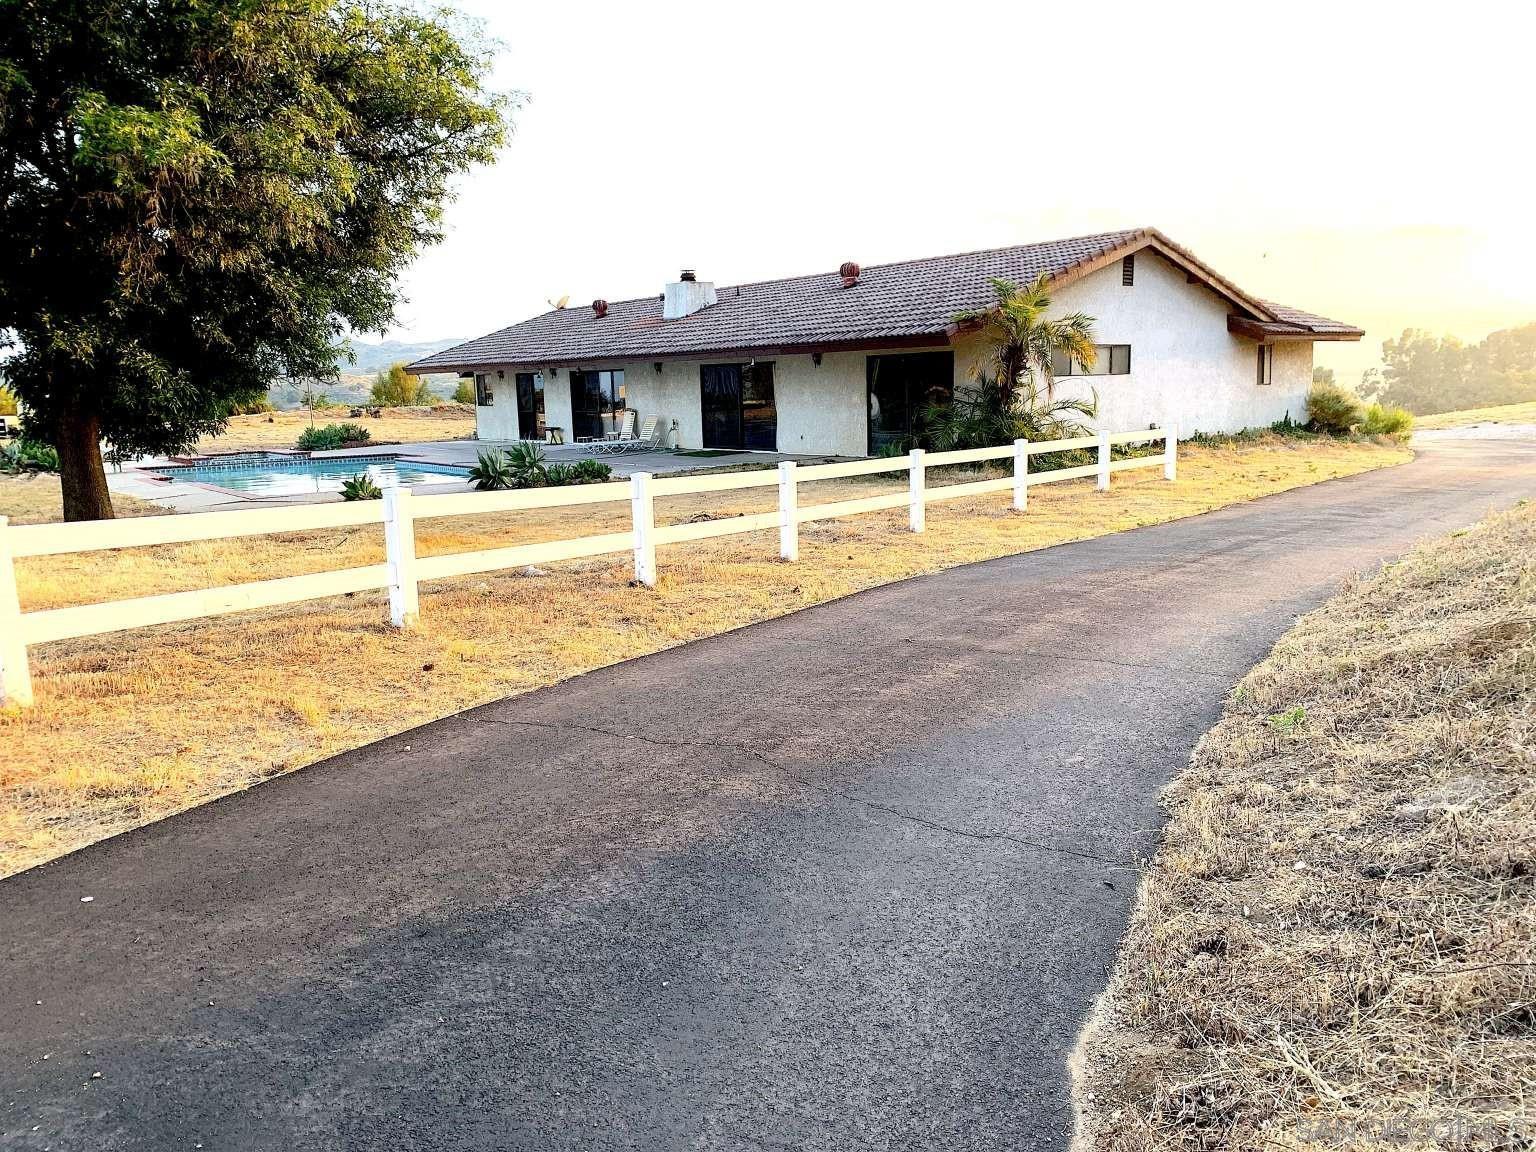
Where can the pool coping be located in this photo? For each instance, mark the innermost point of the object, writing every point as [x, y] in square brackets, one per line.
[166, 473]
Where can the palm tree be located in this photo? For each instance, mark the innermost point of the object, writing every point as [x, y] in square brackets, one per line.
[1024, 343]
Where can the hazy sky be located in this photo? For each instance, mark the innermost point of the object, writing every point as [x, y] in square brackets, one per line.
[1368, 162]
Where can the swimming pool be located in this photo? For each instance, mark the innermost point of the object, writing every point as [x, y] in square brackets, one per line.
[264, 474]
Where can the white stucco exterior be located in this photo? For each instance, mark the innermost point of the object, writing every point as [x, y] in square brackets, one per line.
[1185, 366]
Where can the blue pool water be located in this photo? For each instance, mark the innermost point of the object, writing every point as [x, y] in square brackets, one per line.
[269, 474]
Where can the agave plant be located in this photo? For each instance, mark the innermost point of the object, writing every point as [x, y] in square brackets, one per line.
[360, 487]
[525, 462]
[492, 472]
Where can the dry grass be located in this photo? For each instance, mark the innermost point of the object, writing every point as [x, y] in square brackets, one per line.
[1504, 414]
[1339, 931]
[34, 498]
[396, 425]
[131, 727]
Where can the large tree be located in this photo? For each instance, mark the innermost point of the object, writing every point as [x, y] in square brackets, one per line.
[1023, 345]
[200, 196]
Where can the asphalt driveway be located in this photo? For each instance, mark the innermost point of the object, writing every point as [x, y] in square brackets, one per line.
[848, 879]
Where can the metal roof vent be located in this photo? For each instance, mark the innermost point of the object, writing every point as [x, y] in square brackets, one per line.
[850, 274]
[687, 276]
[600, 308]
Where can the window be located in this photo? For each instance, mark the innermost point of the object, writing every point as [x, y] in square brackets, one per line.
[899, 390]
[597, 398]
[483, 394]
[1109, 360]
[1266, 364]
[1128, 271]
[530, 405]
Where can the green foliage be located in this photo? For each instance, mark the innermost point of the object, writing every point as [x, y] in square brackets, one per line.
[1333, 410]
[397, 388]
[329, 437]
[1427, 374]
[1289, 720]
[524, 466]
[589, 471]
[984, 419]
[7, 402]
[526, 463]
[464, 393]
[1387, 420]
[28, 456]
[202, 196]
[250, 405]
[1023, 341]
[360, 487]
[492, 472]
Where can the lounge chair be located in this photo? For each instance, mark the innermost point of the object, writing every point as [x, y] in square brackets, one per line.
[648, 441]
[625, 431]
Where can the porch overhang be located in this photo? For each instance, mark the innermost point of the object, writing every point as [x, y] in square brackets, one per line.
[1282, 332]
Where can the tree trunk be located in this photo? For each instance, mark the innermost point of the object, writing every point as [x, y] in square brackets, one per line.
[81, 472]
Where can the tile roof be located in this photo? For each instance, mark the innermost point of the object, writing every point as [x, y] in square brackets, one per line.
[898, 302]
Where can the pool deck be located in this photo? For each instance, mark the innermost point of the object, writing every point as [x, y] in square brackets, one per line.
[137, 479]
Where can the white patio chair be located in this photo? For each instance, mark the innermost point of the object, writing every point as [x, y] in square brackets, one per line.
[648, 441]
[625, 431]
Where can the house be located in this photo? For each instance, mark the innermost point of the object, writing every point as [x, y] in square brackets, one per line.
[843, 362]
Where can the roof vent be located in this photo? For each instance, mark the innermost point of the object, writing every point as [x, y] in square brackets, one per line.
[686, 296]
[850, 274]
[600, 308]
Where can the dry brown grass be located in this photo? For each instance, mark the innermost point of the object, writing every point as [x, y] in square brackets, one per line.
[1339, 931]
[34, 498]
[1503, 414]
[131, 727]
[396, 425]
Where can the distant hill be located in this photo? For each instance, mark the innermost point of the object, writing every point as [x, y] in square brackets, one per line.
[356, 379]
[377, 357]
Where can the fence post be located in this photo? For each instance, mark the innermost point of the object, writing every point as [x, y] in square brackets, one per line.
[400, 553]
[15, 678]
[1170, 452]
[789, 508]
[1020, 475]
[643, 508]
[1103, 460]
[918, 517]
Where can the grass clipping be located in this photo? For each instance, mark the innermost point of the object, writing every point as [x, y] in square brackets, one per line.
[1336, 944]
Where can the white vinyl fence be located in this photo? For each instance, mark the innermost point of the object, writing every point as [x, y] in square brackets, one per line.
[403, 570]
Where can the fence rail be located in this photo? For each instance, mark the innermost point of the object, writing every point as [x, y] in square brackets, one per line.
[403, 570]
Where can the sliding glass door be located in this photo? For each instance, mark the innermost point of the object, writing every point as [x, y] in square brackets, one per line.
[736, 402]
[597, 398]
[900, 388]
[530, 405]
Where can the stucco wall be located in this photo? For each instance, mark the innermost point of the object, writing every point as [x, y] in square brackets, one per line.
[1185, 366]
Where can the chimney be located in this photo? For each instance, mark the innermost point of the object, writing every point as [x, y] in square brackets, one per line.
[686, 296]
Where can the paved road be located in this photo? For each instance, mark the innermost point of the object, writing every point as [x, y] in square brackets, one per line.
[849, 879]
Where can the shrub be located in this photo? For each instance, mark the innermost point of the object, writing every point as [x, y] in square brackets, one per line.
[1332, 409]
[360, 487]
[558, 475]
[28, 456]
[397, 388]
[328, 437]
[465, 393]
[525, 462]
[492, 472]
[1387, 420]
[590, 472]
[980, 419]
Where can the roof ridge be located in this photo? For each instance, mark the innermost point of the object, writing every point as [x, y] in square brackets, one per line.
[1123, 233]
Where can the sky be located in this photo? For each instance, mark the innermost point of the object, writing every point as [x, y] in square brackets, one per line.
[1369, 162]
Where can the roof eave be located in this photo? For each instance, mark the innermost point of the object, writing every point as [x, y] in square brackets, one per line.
[1280, 332]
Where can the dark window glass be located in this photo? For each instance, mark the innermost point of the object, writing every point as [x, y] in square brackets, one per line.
[1061, 363]
[530, 405]
[1119, 359]
[1266, 363]
[483, 394]
[737, 406]
[900, 389]
[597, 400]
